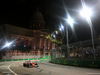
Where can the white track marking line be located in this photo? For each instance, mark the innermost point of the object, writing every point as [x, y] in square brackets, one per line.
[11, 70]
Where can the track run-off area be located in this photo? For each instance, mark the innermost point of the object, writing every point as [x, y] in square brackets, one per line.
[45, 68]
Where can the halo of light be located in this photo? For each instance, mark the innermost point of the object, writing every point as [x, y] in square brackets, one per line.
[54, 36]
[70, 21]
[61, 27]
[86, 12]
[7, 44]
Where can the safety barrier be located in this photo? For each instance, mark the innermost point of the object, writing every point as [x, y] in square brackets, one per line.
[43, 59]
[83, 63]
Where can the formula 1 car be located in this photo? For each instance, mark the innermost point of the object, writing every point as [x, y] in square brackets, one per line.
[30, 64]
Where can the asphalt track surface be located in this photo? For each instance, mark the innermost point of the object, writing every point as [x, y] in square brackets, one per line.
[16, 68]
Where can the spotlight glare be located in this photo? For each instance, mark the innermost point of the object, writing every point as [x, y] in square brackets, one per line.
[86, 12]
[61, 28]
[70, 21]
[54, 36]
[7, 44]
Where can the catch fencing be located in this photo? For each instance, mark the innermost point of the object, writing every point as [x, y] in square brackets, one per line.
[79, 50]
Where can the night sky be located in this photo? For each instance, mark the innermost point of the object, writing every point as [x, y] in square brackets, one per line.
[19, 13]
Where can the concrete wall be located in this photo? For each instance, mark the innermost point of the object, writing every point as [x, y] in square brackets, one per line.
[20, 57]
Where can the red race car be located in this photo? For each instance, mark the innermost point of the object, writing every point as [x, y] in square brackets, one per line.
[30, 64]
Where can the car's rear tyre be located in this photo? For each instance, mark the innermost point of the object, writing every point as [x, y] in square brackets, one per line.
[24, 64]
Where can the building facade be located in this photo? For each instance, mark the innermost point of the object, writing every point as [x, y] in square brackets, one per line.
[31, 41]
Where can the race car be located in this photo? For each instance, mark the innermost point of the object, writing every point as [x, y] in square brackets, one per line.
[30, 64]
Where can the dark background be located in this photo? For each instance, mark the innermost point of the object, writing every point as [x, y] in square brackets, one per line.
[19, 13]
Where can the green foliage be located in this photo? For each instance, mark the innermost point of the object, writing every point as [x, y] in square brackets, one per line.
[50, 36]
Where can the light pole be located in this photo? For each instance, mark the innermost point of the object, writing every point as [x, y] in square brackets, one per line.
[70, 22]
[68, 50]
[61, 28]
[86, 13]
[54, 37]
